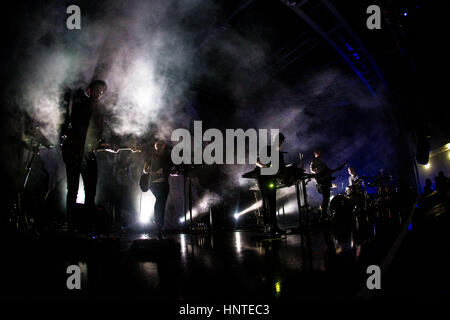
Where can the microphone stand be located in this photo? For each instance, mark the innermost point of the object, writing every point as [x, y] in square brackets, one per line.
[23, 221]
[301, 194]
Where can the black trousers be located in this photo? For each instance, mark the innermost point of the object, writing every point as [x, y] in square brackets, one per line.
[88, 170]
[325, 190]
[269, 201]
[161, 193]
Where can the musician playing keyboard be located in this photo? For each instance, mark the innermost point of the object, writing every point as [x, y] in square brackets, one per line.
[323, 178]
[267, 186]
[159, 165]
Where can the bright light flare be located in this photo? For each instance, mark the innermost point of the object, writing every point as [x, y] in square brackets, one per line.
[147, 207]
[81, 196]
[203, 206]
[249, 209]
[188, 214]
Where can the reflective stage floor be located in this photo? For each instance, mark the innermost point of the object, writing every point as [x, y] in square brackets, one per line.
[325, 262]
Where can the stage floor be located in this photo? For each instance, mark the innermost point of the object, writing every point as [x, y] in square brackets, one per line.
[325, 262]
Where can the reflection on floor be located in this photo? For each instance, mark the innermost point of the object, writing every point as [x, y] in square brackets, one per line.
[327, 261]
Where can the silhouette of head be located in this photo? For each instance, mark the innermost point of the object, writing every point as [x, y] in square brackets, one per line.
[96, 89]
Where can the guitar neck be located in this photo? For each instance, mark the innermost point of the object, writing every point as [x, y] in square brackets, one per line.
[338, 168]
[117, 150]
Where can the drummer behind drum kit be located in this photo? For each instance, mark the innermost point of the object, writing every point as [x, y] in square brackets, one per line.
[356, 200]
[353, 200]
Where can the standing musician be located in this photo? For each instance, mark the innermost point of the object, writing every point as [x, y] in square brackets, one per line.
[354, 188]
[84, 134]
[158, 166]
[323, 178]
[267, 186]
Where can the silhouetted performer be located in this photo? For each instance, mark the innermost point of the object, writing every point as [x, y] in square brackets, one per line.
[84, 134]
[353, 179]
[442, 182]
[383, 182]
[323, 178]
[355, 185]
[427, 189]
[159, 165]
[267, 186]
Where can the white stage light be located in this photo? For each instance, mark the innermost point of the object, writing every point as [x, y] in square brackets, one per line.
[249, 209]
[81, 195]
[147, 207]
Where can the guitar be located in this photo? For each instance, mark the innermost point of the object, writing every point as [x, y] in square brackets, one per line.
[151, 177]
[105, 147]
[117, 150]
[324, 179]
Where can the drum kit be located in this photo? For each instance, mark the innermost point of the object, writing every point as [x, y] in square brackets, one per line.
[356, 200]
[351, 201]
